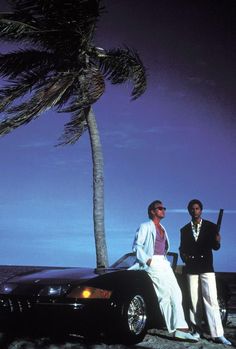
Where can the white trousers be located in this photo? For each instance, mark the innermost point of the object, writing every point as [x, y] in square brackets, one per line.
[203, 291]
[168, 293]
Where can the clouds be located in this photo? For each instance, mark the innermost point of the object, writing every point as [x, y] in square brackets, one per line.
[36, 144]
[133, 138]
[123, 137]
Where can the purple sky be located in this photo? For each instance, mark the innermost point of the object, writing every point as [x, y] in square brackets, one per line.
[175, 143]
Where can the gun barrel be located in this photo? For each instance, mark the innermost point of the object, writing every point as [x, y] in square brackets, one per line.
[219, 220]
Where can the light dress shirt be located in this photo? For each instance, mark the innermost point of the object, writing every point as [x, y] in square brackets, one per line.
[196, 229]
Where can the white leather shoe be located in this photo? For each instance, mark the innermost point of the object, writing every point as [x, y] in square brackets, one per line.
[222, 340]
[184, 336]
[196, 335]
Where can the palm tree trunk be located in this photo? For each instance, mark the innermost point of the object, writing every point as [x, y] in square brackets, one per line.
[98, 192]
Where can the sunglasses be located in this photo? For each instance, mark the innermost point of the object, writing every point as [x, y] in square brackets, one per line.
[160, 208]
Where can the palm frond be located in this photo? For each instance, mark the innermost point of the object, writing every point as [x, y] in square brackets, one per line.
[15, 30]
[82, 11]
[66, 71]
[96, 84]
[88, 89]
[9, 94]
[24, 60]
[52, 22]
[75, 128]
[44, 98]
[19, 87]
[121, 65]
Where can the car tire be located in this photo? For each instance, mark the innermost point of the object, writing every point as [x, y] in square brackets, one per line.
[131, 320]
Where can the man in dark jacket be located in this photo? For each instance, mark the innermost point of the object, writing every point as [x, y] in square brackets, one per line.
[198, 239]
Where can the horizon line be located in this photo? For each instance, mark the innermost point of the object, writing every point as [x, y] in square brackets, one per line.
[184, 210]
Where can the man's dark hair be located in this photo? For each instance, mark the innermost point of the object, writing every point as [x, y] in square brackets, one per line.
[152, 206]
[193, 202]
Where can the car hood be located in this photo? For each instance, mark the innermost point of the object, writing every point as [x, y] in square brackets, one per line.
[59, 276]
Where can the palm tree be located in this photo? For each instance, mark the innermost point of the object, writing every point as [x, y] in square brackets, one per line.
[59, 67]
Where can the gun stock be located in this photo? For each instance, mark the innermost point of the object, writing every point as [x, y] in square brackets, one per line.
[219, 220]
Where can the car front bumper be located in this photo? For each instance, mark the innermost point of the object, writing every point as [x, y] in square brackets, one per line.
[53, 315]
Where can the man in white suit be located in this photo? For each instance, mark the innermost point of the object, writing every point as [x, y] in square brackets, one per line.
[151, 245]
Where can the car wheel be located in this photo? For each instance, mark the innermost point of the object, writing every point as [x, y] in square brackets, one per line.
[223, 309]
[132, 320]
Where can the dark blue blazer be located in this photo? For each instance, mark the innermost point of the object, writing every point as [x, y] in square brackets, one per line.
[197, 255]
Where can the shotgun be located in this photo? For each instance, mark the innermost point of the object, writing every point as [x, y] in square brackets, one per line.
[219, 220]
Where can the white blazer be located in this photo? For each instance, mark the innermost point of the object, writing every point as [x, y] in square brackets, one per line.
[144, 243]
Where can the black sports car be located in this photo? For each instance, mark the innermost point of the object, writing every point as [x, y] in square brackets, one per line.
[116, 304]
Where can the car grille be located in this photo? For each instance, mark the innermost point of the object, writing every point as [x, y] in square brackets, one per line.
[15, 305]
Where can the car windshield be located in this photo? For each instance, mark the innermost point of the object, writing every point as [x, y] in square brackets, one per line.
[125, 261]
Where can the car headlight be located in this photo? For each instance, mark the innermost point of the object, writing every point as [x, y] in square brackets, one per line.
[7, 288]
[54, 290]
[83, 292]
